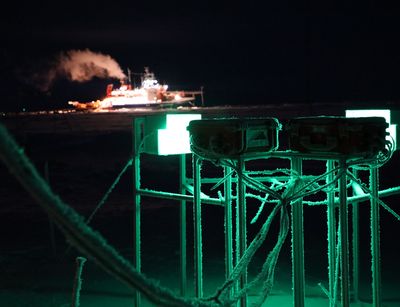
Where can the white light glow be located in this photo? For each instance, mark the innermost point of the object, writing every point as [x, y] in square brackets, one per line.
[180, 121]
[172, 142]
[175, 138]
[369, 113]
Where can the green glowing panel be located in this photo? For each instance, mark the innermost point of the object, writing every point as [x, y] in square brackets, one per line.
[385, 113]
[174, 139]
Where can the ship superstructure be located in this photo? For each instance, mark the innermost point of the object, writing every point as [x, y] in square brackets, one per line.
[149, 93]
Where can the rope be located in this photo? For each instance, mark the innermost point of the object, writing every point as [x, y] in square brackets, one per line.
[110, 189]
[79, 234]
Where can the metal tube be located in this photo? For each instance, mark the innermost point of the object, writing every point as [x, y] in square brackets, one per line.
[198, 254]
[228, 222]
[355, 247]
[375, 239]
[176, 196]
[136, 201]
[298, 243]
[241, 224]
[331, 220]
[182, 232]
[344, 246]
[258, 178]
[383, 193]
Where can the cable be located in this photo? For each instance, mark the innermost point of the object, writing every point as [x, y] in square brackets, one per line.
[110, 189]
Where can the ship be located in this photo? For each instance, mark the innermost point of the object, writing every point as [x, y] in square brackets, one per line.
[150, 93]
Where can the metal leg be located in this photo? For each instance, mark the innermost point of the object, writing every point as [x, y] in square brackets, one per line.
[375, 239]
[182, 233]
[331, 216]
[198, 253]
[298, 244]
[344, 246]
[355, 248]
[137, 138]
[228, 222]
[241, 226]
[136, 221]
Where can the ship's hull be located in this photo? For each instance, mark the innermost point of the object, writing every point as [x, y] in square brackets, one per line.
[162, 104]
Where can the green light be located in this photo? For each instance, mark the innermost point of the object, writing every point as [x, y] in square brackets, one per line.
[174, 139]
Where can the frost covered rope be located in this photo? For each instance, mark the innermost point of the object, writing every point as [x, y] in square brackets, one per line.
[261, 207]
[266, 277]
[305, 191]
[296, 187]
[223, 292]
[268, 270]
[249, 181]
[110, 189]
[83, 237]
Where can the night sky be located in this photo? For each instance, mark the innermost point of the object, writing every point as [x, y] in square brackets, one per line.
[241, 53]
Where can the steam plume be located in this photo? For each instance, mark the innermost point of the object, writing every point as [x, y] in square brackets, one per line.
[83, 65]
[74, 65]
